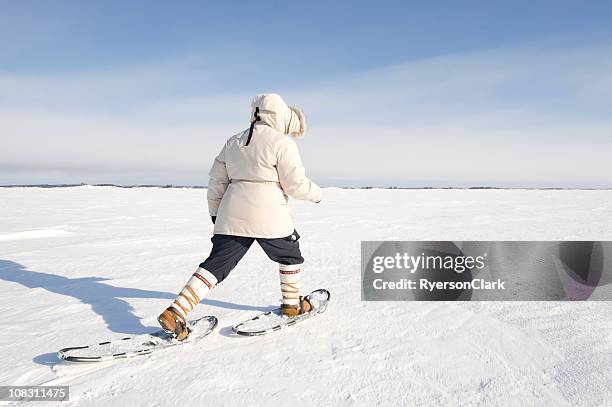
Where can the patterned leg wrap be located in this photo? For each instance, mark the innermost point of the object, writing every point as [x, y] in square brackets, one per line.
[290, 283]
[196, 288]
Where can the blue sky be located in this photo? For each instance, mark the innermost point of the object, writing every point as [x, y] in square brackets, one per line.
[425, 93]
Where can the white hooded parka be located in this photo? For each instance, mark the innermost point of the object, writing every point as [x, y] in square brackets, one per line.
[257, 170]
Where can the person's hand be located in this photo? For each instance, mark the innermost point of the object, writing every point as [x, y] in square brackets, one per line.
[214, 219]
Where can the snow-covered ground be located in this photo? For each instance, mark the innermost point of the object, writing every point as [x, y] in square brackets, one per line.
[85, 264]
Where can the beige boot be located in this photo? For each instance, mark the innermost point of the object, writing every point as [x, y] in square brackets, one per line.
[174, 323]
[295, 310]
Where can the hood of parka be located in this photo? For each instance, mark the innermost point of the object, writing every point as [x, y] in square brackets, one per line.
[274, 112]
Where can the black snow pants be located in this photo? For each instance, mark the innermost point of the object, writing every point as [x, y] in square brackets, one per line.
[227, 251]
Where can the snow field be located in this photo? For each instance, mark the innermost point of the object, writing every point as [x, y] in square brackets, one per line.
[85, 264]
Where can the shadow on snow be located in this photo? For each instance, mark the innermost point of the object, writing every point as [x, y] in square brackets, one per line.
[105, 300]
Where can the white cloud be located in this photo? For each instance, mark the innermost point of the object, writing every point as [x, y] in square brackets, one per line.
[508, 116]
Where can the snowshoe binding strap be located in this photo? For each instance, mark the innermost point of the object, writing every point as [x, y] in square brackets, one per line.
[182, 331]
[305, 305]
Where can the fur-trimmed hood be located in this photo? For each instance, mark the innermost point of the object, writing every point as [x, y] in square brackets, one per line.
[257, 171]
[274, 112]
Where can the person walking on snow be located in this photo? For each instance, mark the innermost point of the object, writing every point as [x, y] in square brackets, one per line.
[250, 182]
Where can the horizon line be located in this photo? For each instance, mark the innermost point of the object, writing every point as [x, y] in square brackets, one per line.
[194, 186]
